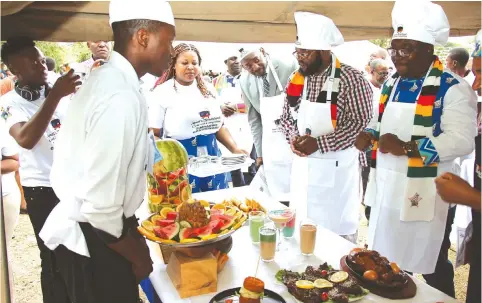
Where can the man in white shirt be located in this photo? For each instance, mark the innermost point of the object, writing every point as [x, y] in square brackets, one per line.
[100, 165]
[236, 118]
[426, 119]
[52, 75]
[378, 74]
[457, 60]
[100, 51]
[33, 116]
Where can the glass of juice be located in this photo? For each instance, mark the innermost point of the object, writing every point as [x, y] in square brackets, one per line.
[256, 221]
[307, 237]
[280, 217]
[267, 244]
[289, 229]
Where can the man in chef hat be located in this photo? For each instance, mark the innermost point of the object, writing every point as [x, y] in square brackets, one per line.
[328, 103]
[101, 158]
[236, 118]
[427, 119]
[263, 93]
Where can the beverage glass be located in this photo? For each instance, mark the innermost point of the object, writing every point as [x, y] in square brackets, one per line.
[280, 217]
[256, 221]
[289, 229]
[267, 243]
[307, 237]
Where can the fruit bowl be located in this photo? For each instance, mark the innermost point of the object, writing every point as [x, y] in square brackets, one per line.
[193, 224]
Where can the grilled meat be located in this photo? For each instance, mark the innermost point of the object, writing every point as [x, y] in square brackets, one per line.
[337, 296]
[350, 287]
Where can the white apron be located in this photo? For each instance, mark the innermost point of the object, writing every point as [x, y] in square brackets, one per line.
[277, 155]
[325, 185]
[413, 245]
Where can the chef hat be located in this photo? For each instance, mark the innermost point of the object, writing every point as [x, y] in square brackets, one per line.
[420, 20]
[155, 10]
[244, 52]
[316, 32]
[478, 41]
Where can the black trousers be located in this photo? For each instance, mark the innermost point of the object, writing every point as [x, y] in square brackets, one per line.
[364, 175]
[242, 179]
[40, 202]
[443, 277]
[104, 277]
[473, 288]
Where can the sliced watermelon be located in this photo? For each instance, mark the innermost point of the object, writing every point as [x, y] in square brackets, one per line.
[206, 231]
[215, 225]
[159, 232]
[228, 223]
[168, 232]
[172, 215]
[189, 233]
[164, 223]
[216, 212]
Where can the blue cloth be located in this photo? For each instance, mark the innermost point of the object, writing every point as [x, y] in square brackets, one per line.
[199, 146]
[407, 90]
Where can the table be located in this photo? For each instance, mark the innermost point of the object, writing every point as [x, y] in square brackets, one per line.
[244, 255]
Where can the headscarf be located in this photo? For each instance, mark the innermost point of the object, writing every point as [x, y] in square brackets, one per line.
[170, 73]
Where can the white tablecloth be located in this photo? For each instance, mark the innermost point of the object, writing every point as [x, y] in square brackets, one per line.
[244, 256]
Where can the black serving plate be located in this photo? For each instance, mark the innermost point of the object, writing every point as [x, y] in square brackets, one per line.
[269, 296]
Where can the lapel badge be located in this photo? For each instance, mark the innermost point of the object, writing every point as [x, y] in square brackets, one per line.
[449, 80]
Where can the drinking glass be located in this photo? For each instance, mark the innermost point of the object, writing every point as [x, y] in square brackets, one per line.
[256, 221]
[267, 243]
[289, 229]
[280, 217]
[307, 237]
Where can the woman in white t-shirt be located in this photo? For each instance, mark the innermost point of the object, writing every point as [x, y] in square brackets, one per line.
[184, 107]
[10, 190]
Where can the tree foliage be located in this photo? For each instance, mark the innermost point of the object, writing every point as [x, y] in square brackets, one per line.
[63, 52]
[382, 42]
[81, 51]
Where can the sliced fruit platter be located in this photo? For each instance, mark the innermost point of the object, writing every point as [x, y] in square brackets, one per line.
[322, 284]
[193, 223]
[169, 181]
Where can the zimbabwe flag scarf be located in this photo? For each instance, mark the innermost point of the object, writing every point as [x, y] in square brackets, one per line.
[295, 88]
[420, 185]
[426, 116]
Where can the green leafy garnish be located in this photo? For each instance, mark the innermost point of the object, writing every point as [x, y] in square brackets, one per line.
[280, 275]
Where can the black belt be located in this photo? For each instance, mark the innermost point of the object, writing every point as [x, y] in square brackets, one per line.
[129, 224]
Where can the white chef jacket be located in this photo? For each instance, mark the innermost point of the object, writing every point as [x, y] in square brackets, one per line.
[101, 157]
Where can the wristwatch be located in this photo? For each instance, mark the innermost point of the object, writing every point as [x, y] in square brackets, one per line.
[409, 148]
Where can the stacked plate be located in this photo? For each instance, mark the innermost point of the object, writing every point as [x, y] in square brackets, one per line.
[233, 160]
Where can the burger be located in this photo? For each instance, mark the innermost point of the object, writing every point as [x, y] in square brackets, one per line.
[252, 290]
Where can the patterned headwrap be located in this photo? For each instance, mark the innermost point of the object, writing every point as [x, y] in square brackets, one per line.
[478, 41]
[171, 72]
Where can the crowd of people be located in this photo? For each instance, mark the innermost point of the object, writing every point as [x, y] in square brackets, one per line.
[74, 145]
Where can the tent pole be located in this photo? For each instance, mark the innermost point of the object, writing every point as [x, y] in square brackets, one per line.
[5, 295]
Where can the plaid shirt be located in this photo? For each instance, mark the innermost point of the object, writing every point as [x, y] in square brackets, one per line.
[354, 110]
